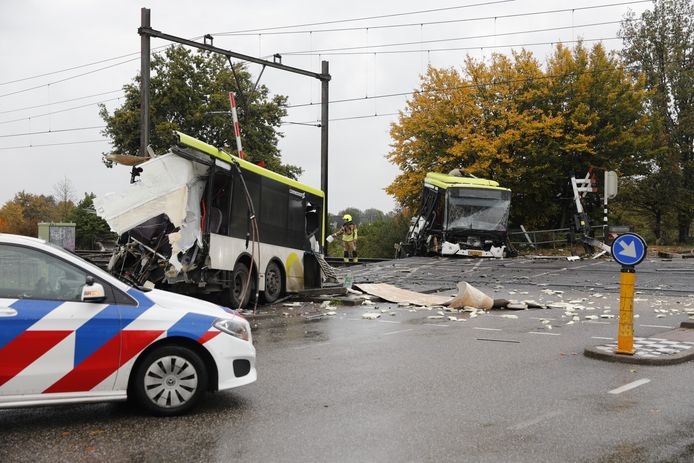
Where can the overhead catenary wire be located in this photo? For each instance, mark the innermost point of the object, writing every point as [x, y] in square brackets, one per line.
[69, 100]
[81, 142]
[36, 116]
[41, 132]
[431, 23]
[382, 16]
[451, 39]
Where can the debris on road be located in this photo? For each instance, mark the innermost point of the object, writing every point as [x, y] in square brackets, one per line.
[470, 296]
[371, 316]
[512, 317]
[397, 295]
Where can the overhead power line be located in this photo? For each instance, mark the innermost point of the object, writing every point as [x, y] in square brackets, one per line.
[452, 39]
[433, 50]
[367, 18]
[36, 116]
[53, 144]
[431, 23]
[460, 87]
[59, 102]
[73, 129]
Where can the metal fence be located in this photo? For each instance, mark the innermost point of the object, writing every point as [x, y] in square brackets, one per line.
[555, 237]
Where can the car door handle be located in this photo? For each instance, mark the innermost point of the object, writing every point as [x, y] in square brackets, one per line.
[7, 312]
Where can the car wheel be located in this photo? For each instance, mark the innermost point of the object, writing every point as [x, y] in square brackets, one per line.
[169, 380]
[273, 283]
[239, 278]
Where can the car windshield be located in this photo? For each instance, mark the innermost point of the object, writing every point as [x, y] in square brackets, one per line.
[478, 209]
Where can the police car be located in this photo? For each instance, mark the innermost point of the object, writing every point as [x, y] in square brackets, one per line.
[70, 332]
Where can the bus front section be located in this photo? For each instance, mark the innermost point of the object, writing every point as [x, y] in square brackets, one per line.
[475, 222]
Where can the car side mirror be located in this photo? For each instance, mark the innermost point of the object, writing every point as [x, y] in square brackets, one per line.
[93, 292]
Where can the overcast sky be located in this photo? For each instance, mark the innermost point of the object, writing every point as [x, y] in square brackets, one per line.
[42, 37]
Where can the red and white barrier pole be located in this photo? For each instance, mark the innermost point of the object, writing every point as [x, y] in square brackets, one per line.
[235, 119]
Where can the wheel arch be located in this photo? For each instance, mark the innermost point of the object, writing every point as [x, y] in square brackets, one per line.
[181, 341]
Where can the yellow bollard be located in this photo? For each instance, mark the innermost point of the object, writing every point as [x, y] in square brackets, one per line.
[625, 337]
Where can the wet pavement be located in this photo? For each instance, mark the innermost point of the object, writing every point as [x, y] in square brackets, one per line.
[407, 387]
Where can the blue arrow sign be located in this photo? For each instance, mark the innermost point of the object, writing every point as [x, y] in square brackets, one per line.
[629, 249]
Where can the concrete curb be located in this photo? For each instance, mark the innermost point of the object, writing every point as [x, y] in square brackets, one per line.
[673, 359]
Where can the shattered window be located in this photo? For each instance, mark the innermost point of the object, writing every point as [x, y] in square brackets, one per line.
[478, 209]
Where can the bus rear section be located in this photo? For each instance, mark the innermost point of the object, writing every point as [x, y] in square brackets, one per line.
[201, 222]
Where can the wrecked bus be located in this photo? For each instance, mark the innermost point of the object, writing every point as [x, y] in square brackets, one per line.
[202, 222]
[459, 216]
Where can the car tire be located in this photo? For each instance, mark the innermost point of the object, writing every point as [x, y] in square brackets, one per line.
[239, 277]
[274, 283]
[169, 380]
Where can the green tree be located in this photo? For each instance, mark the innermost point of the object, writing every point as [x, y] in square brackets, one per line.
[661, 46]
[89, 227]
[189, 92]
[377, 238]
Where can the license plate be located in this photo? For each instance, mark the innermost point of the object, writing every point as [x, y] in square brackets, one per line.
[475, 253]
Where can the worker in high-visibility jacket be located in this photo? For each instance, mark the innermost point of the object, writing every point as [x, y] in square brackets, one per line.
[348, 231]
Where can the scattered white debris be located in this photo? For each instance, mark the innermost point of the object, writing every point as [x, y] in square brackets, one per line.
[570, 322]
[591, 317]
[440, 312]
[606, 315]
[385, 310]
[325, 304]
[292, 304]
[331, 312]
[371, 316]
[660, 315]
[573, 258]
[576, 318]
[435, 317]
[517, 306]
[597, 295]
[453, 319]
[403, 304]
[367, 302]
[512, 317]
[544, 321]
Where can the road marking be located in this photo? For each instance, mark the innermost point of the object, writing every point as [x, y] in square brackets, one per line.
[498, 340]
[387, 321]
[396, 332]
[540, 318]
[602, 337]
[546, 334]
[534, 421]
[486, 329]
[596, 323]
[627, 387]
[658, 326]
[435, 324]
[474, 267]
[311, 345]
[564, 270]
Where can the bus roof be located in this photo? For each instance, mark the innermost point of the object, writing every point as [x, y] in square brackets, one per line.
[203, 147]
[449, 181]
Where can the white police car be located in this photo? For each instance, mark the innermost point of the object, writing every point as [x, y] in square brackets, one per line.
[70, 332]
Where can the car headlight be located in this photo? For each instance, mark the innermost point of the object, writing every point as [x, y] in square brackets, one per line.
[236, 327]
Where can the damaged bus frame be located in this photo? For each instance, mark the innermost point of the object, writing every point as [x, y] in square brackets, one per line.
[459, 216]
[205, 223]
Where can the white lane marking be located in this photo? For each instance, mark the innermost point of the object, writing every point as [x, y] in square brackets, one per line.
[546, 334]
[563, 270]
[486, 329]
[602, 337]
[658, 326]
[435, 324]
[627, 387]
[596, 323]
[387, 321]
[312, 345]
[534, 421]
[396, 332]
[541, 318]
[473, 268]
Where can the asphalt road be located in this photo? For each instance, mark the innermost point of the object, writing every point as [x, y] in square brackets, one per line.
[409, 388]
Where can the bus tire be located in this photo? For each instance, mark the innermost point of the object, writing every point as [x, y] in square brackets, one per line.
[274, 283]
[239, 279]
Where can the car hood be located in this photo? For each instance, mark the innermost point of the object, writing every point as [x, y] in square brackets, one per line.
[176, 301]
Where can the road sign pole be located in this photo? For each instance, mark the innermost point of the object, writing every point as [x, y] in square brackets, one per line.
[625, 337]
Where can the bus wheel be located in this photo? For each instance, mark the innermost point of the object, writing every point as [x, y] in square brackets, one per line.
[273, 283]
[239, 279]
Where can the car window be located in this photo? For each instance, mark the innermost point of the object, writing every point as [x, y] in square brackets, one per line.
[30, 274]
